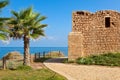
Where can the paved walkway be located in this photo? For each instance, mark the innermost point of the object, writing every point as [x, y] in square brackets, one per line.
[83, 72]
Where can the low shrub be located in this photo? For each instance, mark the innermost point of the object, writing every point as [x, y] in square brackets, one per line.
[71, 61]
[68, 61]
[109, 59]
[65, 61]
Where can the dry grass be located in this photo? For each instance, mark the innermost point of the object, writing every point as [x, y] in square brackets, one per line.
[14, 56]
[55, 54]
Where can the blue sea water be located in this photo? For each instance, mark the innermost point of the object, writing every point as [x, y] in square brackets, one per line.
[5, 50]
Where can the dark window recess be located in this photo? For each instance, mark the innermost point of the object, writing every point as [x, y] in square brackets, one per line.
[107, 22]
[80, 13]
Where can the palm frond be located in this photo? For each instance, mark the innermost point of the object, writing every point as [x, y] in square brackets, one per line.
[5, 30]
[15, 14]
[25, 14]
[15, 35]
[3, 19]
[42, 26]
[35, 16]
[40, 19]
[29, 11]
[27, 22]
[3, 3]
[12, 22]
[34, 36]
[40, 32]
[3, 36]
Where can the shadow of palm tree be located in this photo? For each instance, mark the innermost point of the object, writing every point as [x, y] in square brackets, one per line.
[56, 60]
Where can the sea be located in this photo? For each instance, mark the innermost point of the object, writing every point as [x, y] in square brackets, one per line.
[33, 50]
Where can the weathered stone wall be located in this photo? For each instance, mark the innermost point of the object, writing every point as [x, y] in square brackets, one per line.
[90, 35]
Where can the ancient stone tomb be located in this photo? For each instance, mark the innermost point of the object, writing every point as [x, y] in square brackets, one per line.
[94, 33]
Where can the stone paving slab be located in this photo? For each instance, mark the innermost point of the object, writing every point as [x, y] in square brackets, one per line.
[83, 72]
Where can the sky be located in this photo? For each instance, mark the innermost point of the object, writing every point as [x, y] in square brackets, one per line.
[59, 18]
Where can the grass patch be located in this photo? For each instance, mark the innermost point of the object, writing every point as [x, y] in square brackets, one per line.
[24, 68]
[109, 59]
[41, 74]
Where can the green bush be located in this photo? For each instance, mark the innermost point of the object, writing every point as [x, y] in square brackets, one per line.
[71, 61]
[24, 68]
[65, 61]
[109, 59]
[87, 61]
[68, 61]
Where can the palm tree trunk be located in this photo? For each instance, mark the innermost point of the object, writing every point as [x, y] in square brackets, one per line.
[26, 51]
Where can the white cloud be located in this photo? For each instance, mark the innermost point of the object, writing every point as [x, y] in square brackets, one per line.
[6, 42]
[34, 40]
[51, 38]
[44, 38]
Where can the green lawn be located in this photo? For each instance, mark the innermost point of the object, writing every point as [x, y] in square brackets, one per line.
[109, 59]
[41, 74]
[20, 72]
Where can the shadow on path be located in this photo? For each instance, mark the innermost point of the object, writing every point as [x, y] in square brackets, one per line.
[56, 60]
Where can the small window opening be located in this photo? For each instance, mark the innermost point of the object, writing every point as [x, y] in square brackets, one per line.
[107, 22]
[80, 13]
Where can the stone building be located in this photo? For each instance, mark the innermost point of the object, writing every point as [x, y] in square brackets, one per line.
[94, 33]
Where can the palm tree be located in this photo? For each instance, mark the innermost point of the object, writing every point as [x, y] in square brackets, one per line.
[3, 29]
[26, 24]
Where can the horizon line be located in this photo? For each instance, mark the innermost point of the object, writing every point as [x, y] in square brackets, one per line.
[37, 46]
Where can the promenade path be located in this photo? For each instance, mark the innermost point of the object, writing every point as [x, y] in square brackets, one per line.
[83, 72]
